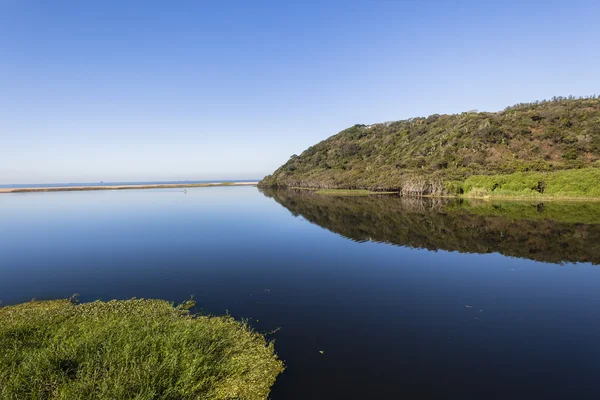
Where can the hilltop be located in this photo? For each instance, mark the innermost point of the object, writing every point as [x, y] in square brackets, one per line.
[537, 148]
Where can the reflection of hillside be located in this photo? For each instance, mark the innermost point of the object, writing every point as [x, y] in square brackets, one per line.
[518, 230]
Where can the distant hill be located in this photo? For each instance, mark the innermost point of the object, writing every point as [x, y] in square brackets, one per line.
[440, 153]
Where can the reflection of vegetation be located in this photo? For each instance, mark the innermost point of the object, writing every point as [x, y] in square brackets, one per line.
[553, 232]
[437, 155]
[142, 349]
[572, 213]
[351, 192]
[343, 192]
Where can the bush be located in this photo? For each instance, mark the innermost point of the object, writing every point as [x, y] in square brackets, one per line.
[570, 154]
[454, 188]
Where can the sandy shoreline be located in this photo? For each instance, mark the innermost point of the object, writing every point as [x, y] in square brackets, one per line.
[122, 187]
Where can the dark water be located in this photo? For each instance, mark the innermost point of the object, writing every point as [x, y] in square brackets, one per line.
[406, 299]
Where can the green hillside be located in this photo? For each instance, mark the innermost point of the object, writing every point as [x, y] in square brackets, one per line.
[532, 148]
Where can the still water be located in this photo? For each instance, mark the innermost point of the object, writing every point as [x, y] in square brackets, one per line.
[404, 298]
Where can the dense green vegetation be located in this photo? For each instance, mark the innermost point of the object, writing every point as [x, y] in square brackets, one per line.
[543, 231]
[455, 154]
[134, 349]
[583, 182]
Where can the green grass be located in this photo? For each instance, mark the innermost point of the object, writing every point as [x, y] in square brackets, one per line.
[132, 349]
[575, 183]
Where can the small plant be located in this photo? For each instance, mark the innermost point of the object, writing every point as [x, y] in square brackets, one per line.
[570, 154]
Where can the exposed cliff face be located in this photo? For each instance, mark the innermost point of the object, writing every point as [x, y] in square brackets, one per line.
[546, 136]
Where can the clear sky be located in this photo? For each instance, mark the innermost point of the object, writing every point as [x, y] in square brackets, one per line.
[174, 90]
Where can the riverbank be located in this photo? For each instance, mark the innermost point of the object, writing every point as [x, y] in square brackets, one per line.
[122, 187]
[130, 349]
[571, 184]
[485, 197]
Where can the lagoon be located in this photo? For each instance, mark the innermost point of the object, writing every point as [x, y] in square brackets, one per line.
[365, 297]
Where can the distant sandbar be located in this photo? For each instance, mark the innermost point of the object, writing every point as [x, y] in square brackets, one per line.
[122, 187]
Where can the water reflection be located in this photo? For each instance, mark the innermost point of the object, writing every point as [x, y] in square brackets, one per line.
[551, 232]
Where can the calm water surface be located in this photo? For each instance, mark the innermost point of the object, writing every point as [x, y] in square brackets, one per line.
[406, 299]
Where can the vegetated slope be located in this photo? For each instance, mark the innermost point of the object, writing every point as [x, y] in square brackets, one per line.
[551, 232]
[435, 155]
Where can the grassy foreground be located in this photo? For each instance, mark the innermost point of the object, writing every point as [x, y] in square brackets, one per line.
[132, 349]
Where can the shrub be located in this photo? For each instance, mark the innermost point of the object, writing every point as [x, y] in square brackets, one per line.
[454, 188]
[570, 154]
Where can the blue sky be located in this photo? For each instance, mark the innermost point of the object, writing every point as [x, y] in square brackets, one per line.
[160, 90]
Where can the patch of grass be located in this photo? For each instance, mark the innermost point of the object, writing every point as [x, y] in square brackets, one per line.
[583, 183]
[142, 349]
